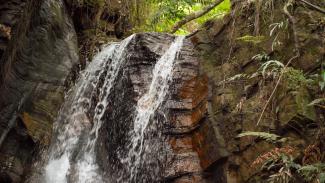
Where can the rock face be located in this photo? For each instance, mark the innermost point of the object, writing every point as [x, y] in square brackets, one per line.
[180, 140]
[10, 12]
[35, 67]
[217, 92]
[238, 90]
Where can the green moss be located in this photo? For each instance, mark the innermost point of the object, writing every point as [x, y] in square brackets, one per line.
[56, 9]
[295, 78]
[295, 95]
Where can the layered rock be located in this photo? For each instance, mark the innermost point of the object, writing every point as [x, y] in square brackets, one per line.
[239, 90]
[184, 143]
[211, 99]
[35, 69]
[10, 13]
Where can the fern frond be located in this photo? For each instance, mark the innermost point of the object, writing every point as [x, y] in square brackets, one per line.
[311, 172]
[274, 65]
[273, 138]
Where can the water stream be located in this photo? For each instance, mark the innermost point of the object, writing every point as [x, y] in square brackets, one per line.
[146, 108]
[72, 156]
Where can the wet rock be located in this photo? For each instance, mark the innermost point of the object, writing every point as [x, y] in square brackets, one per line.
[177, 123]
[209, 144]
[35, 70]
[10, 13]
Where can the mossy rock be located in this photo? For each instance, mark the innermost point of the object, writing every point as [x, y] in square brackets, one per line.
[294, 97]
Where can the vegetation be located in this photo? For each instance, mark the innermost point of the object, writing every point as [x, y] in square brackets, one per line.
[269, 137]
[164, 14]
[282, 164]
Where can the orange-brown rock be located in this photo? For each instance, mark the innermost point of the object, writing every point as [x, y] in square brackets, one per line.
[181, 144]
[185, 121]
[206, 143]
[195, 90]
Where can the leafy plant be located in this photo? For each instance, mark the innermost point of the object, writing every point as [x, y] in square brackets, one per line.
[268, 67]
[276, 30]
[271, 67]
[163, 14]
[263, 57]
[313, 172]
[281, 164]
[322, 80]
[251, 39]
[269, 137]
[317, 102]
[285, 172]
[295, 78]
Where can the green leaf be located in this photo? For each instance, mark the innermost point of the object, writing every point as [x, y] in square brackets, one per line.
[317, 101]
[263, 135]
[322, 177]
[252, 39]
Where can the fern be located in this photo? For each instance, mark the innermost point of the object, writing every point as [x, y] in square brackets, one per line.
[322, 177]
[314, 171]
[269, 66]
[269, 137]
[272, 66]
[322, 79]
[263, 57]
[317, 102]
[252, 39]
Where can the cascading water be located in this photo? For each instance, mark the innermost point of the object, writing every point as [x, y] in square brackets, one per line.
[146, 107]
[72, 156]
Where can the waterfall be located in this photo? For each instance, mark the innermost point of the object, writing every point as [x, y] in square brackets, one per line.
[146, 108]
[72, 155]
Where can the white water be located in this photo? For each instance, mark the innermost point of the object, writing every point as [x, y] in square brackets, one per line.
[76, 131]
[72, 155]
[147, 106]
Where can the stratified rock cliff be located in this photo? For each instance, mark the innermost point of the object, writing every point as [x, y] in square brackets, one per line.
[34, 71]
[219, 89]
[176, 120]
[239, 90]
[10, 13]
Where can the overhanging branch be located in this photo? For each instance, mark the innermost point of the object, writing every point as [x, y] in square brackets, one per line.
[317, 8]
[195, 15]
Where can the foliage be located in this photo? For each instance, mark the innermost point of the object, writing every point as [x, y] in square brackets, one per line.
[252, 39]
[313, 172]
[285, 172]
[271, 67]
[281, 165]
[272, 156]
[165, 13]
[275, 31]
[295, 78]
[317, 101]
[262, 57]
[322, 79]
[269, 137]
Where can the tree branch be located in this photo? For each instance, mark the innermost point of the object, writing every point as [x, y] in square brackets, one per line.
[195, 15]
[317, 8]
